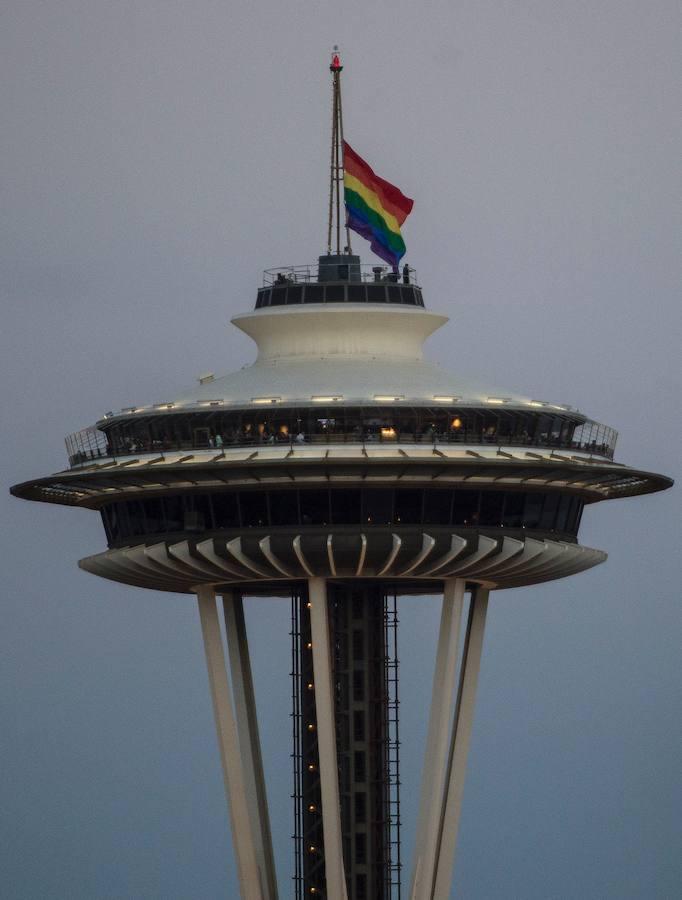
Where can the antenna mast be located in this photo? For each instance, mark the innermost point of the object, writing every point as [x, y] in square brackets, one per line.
[336, 163]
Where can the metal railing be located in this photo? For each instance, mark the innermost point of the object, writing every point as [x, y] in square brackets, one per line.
[354, 272]
[591, 440]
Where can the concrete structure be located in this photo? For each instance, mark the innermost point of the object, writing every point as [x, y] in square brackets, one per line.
[339, 471]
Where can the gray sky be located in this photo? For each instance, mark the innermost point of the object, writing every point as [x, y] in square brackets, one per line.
[154, 157]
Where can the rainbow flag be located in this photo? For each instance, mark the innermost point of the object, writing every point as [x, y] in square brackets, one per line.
[376, 209]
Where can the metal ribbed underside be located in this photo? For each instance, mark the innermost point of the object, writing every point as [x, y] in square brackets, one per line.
[495, 561]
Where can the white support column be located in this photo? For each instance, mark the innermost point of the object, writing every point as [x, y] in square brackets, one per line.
[459, 748]
[249, 740]
[436, 753]
[326, 739]
[228, 743]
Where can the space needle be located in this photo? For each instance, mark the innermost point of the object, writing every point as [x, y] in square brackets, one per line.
[340, 471]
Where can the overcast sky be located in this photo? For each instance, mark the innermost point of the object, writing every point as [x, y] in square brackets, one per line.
[154, 158]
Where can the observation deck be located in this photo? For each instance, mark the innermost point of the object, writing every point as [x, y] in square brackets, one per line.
[339, 279]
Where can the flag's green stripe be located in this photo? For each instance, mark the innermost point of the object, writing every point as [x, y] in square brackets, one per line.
[389, 238]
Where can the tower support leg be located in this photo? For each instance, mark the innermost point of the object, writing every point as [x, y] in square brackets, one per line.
[459, 743]
[249, 740]
[437, 741]
[326, 739]
[228, 743]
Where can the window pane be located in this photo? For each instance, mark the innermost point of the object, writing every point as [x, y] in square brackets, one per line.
[377, 507]
[513, 510]
[314, 507]
[314, 293]
[356, 293]
[346, 507]
[225, 510]
[154, 514]
[465, 508]
[279, 297]
[335, 293]
[254, 509]
[174, 513]
[549, 511]
[491, 508]
[394, 293]
[533, 510]
[295, 294]
[408, 507]
[284, 507]
[376, 293]
[437, 507]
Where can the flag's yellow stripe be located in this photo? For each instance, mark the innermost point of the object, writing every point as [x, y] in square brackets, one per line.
[371, 199]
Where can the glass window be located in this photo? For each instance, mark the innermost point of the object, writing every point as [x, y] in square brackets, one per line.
[358, 645]
[407, 295]
[314, 293]
[264, 298]
[360, 848]
[359, 765]
[358, 685]
[284, 508]
[533, 512]
[418, 300]
[358, 725]
[361, 807]
[174, 513]
[136, 520]
[356, 293]
[314, 507]
[335, 293]
[492, 503]
[360, 886]
[225, 510]
[295, 293]
[437, 506]
[465, 508]
[346, 507]
[394, 294]
[153, 511]
[279, 296]
[549, 511]
[513, 509]
[254, 509]
[376, 293]
[408, 507]
[377, 506]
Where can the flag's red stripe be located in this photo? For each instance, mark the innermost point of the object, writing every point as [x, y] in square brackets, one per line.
[391, 197]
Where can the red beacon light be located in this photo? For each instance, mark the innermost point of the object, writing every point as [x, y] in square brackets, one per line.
[336, 61]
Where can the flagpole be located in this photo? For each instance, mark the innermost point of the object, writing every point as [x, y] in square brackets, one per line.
[336, 163]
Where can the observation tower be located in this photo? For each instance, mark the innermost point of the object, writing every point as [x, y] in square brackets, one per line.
[339, 471]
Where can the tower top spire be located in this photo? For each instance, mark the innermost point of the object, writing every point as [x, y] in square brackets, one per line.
[334, 223]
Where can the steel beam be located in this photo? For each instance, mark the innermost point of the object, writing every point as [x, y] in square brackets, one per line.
[459, 743]
[436, 754]
[249, 740]
[326, 739]
[228, 743]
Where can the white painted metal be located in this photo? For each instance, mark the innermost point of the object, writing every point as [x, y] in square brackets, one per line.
[300, 556]
[436, 753]
[249, 740]
[330, 554]
[459, 744]
[363, 553]
[428, 543]
[326, 739]
[274, 561]
[228, 743]
[396, 544]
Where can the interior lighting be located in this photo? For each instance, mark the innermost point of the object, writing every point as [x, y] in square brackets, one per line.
[312, 808]
[497, 399]
[457, 423]
[311, 767]
[164, 405]
[311, 686]
[309, 605]
[536, 403]
[388, 398]
[312, 848]
[439, 399]
[309, 645]
[265, 399]
[388, 432]
[311, 727]
[332, 398]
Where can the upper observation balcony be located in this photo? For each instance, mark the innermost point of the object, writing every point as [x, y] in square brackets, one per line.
[339, 278]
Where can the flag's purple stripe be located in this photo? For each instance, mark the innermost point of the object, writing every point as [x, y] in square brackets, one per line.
[363, 229]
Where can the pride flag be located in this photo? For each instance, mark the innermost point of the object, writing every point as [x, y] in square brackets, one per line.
[376, 209]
